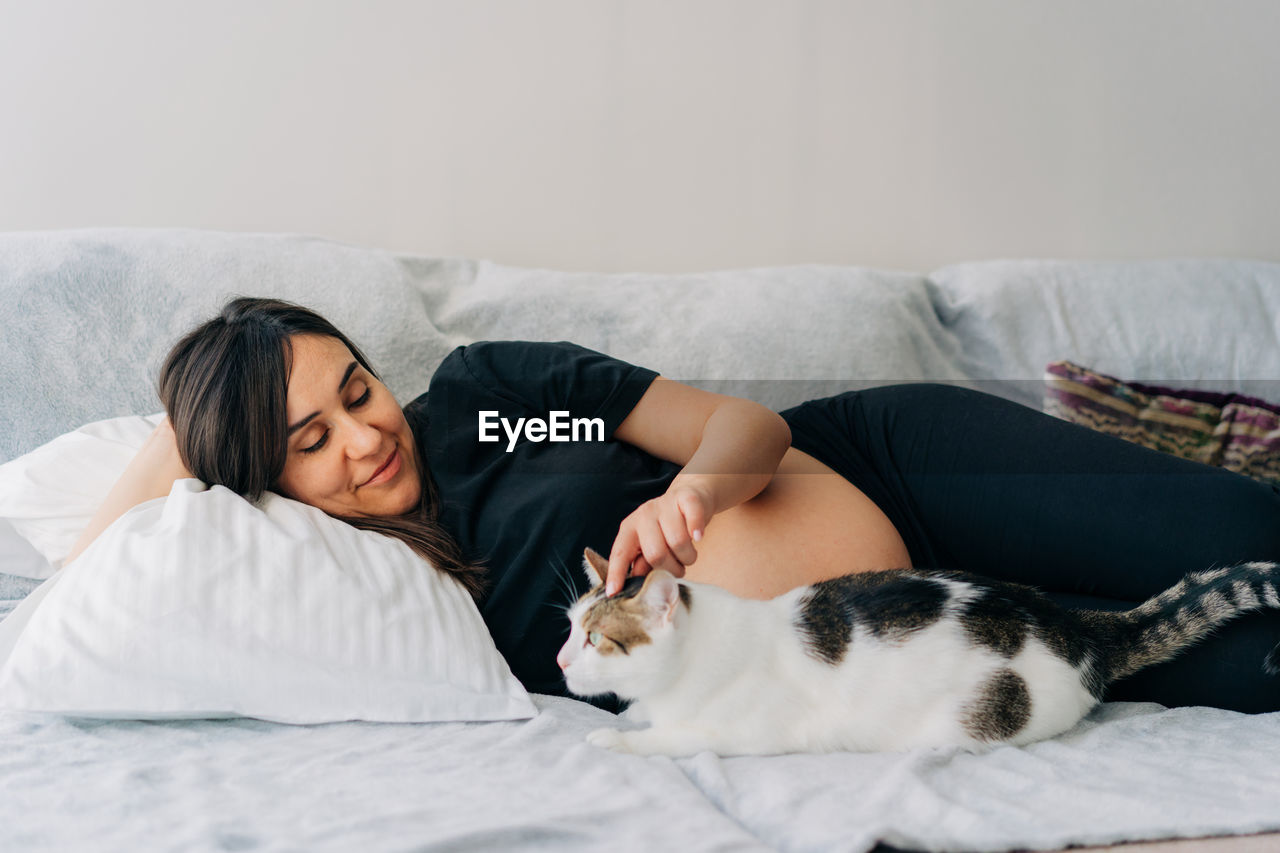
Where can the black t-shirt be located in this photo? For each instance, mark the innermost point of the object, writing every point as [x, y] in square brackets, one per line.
[527, 509]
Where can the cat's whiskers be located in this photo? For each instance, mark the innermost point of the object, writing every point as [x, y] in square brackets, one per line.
[565, 588]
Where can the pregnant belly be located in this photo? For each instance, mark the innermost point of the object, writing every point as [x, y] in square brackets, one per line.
[809, 524]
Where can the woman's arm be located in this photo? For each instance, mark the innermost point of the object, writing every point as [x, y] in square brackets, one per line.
[730, 449]
[151, 474]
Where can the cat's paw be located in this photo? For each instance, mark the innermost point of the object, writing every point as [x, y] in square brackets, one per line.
[608, 739]
[635, 713]
[674, 743]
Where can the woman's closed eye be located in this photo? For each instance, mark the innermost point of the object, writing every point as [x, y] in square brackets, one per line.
[355, 404]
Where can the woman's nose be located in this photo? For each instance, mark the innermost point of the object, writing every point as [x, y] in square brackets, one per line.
[365, 439]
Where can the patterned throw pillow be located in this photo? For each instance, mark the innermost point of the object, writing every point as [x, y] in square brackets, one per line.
[1228, 430]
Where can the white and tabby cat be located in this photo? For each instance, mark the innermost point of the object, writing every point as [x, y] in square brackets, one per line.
[886, 660]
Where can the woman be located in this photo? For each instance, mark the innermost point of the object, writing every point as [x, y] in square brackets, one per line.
[473, 476]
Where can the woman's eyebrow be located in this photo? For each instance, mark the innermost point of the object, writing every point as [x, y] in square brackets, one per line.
[343, 384]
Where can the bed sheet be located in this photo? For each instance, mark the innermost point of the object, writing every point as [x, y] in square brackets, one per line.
[1129, 771]
[69, 784]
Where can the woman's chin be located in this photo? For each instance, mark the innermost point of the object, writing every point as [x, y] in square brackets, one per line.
[393, 502]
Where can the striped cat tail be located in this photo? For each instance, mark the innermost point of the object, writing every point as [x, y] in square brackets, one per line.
[1189, 611]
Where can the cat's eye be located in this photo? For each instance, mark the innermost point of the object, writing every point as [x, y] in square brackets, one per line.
[593, 638]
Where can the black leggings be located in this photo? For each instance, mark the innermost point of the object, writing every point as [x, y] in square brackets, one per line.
[976, 482]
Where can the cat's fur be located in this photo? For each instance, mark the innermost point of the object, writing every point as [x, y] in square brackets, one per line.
[884, 660]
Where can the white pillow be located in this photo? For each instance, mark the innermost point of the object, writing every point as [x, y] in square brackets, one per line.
[204, 605]
[18, 557]
[49, 495]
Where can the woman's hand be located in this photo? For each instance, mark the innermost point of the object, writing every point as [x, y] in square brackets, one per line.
[151, 474]
[729, 449]
[660, 533]
[157, 465]
[160, 453]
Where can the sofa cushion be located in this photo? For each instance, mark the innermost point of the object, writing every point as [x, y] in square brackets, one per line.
[777, 335]
[89, 315]
[1199, 324]
[98, 309]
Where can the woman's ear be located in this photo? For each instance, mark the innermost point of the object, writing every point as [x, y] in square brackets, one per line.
[595, 567]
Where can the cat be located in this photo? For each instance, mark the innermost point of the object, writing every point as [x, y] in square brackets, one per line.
[876, 661]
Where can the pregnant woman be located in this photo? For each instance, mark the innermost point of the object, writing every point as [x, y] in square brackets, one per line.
[521, 454]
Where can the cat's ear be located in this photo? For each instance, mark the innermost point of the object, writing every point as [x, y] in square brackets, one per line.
[661, 594]
[595, 567]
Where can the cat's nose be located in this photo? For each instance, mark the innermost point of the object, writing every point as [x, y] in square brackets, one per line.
[562, 659]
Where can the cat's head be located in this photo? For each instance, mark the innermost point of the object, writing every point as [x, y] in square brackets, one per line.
[627, 644]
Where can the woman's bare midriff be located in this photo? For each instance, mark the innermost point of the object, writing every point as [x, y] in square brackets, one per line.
[809, 524]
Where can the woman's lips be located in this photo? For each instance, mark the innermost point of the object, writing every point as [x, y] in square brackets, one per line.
[388, 470]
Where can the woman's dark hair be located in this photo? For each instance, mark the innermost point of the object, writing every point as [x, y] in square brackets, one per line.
[224, 387]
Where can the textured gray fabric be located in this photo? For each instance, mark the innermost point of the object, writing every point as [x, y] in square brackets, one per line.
[89, 315]
[1128, 771]
[214, 785]
[1210, 324]
[779, 336]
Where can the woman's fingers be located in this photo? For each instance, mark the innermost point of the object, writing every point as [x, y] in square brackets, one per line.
[695, 508]
[653, 543]
[675, 533]
[642, 545]
[660, 534]
[626, 547]
[640, 567]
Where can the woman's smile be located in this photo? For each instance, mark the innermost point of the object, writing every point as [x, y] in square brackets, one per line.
[386, 472]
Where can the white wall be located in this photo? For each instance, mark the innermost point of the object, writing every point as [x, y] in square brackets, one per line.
[656, 135]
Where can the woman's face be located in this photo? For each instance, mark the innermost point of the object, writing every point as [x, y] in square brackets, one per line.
[350, 448]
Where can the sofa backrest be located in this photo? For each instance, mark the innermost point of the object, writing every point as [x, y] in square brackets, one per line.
[88, 316]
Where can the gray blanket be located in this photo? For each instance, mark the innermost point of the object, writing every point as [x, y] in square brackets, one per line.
[1129, 771]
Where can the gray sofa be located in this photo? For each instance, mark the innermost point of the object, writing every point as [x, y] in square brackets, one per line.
[87, 316]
